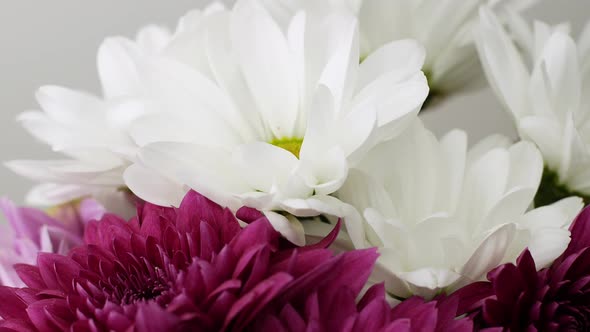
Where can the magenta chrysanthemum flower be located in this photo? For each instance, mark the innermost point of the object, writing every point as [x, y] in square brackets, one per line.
[332, 306]
[30, 231]
[191, 269]
[195, 269]
[519, 298]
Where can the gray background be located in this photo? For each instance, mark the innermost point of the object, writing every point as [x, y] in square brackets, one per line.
[55, 42]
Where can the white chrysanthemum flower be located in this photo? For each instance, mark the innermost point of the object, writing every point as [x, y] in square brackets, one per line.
[278, 116]
[444, 28]
[547, 91]
[443, 215]
[93, 131]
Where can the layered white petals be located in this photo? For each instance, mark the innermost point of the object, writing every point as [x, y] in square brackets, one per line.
[264, 57]
[544, 231]
[502, 61]
[276, 116]
[545, 89]
[445, 216]
[208, 170]
[442, 27]
[96, 132]
[488, 255]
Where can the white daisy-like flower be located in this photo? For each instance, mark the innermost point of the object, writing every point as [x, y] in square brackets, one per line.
[92, 131]
[443, 215]
[278, 117]
[444, 28]
[547, 91]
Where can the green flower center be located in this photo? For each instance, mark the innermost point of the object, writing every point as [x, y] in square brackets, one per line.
[292, 145]
[552, 190]
[433, 95]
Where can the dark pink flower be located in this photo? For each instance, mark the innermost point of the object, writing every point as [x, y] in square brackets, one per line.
[332, 306]
[517, 297]
[187, 269]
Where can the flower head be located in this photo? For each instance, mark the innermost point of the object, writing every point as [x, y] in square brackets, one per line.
[234, 105]
[192, 268]
[444, 29]
[93, 131]
[546, 92]
[275, 117]
[31, 231]
[519, 298]
[443, 215]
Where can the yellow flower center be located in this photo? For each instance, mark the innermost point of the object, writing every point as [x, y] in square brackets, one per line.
[65, 211]
[292, 145]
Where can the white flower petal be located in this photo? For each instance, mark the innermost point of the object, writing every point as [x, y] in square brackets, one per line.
[153, 38]
[560, 58]
[117, 67]
[68, 107]
[319, 136]
[502, 63]
[485, 145]
[341, 70]
[207, 170]
[543, 132]
[545, 231]
[51, 194]
[329, 205]
[264, 165]
[489, 254]
[67, 170]
[387, 262]
[454, 154]
[191, 97]
[399, 60]
[152, 187]
[327, 172]
[226, 70]
[265, 59]
[288, 226]
[485, 183]
[428, 281]
[526, 166]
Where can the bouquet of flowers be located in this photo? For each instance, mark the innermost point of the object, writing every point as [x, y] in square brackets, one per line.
[264, 167]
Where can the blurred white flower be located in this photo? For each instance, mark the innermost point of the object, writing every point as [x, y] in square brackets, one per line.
[92, 132]
[444, 28]
[443, 215]
[547, 91]
[275, 116]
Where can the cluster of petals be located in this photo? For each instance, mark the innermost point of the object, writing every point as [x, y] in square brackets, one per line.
[542, 77]
[517, 297]
[444, 215]
[30, 231]
[276, 116]
[236, 105]
[194, 268]
[443, 28]
[252, 129]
